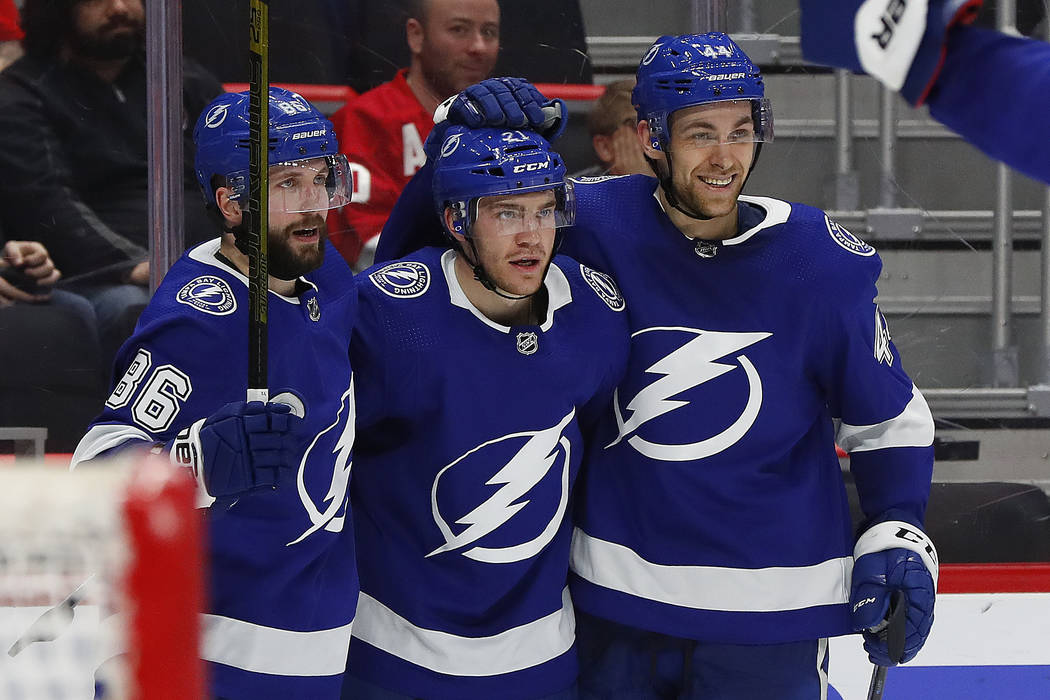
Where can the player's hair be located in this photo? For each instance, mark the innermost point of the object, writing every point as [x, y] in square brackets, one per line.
[46, 24]
[603, 117]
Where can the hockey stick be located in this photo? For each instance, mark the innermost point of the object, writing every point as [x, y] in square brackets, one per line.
[258, 198]
[893, 632]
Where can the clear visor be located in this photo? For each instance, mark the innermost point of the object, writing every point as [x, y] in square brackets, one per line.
[511, 214]
[723, 124]
[314, 184]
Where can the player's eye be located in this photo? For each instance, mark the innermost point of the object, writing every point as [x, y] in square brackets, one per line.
[545, 213]
[320, 179]
[740, 135]
[287, 183]
[508, 214]
[702, 136]
[490, 33]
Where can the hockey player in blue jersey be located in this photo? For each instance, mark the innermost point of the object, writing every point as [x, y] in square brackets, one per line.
[983, 84]
[713, 551]
[274, 476]
[478, 365]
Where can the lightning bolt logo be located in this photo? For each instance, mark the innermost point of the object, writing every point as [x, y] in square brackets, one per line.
[689, 366]
[205, 291]
[402, 280]
[523, 472]
[330, 518]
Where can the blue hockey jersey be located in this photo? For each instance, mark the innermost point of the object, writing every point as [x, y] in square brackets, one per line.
[469, 440]
[282, 577]
[712, 504]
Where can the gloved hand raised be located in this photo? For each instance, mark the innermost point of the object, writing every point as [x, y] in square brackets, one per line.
[899, 44]
[511, 102]
[879, 569]
[241, 447]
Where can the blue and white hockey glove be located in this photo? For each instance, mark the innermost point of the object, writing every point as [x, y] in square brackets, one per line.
[510, 102]
[900, 43]
[239, 448]
[892, 556]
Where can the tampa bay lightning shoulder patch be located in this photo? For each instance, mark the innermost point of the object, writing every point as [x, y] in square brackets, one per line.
[604, 287]
[847, 240]
[209, 294]
[402, 280]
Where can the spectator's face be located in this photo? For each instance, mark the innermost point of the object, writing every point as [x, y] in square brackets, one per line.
[514, 239]
[107, 29]
[711, 147]
[457, 43]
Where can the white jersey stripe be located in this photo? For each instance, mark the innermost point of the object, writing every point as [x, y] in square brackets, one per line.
[515, 649]
[105, 436]
[912, 428]
[259, 649]
[711, 587]
[822, 677]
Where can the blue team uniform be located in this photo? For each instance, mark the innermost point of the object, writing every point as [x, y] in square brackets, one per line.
[282, 576]
[712, 505]
[469, 440]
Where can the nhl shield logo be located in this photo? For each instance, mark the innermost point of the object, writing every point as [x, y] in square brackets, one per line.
[314, 309]
[528, 343]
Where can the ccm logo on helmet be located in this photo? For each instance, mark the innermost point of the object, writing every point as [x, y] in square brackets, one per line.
[528, 167]
[308, 134]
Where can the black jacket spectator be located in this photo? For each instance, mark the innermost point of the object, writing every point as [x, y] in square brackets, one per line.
[73, 150]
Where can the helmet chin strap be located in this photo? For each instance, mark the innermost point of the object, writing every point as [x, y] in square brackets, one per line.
[481, 276]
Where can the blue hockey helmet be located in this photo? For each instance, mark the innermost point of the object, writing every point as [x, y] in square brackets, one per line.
[481, 162]
[695, 69]
[299, 135]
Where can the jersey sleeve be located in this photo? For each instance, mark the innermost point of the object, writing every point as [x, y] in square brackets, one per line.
[412, 224]
[980, 66]
[885, 424]
[376, 164]
[171, 373]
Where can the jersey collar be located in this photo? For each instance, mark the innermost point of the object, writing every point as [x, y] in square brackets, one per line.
[558, 292]
[205, 254]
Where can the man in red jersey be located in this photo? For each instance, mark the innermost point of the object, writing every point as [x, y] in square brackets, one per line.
[453, 43]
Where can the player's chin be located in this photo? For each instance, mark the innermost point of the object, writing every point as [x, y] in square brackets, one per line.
[525, 276]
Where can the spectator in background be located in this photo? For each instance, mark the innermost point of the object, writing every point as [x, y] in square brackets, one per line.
[10, 34]
[73, 150]
[548, 44]
[612, 124]
[49, 347]
[453, 43]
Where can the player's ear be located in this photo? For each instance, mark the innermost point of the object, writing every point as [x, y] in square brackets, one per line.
[229, 208]
[602, 144]
[646, 137]
[450, 222]
[414, 35]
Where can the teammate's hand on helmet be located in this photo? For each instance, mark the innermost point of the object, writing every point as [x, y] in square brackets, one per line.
[510, 102]
[877, 572]
[242, 447]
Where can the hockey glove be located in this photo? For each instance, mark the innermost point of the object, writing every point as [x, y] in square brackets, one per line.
[900, 44]
[239, 448]
[893, 556]
[510, 102]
